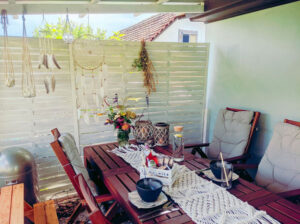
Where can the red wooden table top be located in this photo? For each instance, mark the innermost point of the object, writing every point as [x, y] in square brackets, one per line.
[120, 179]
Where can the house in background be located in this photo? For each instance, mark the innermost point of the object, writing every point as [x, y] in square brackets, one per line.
[166, 27]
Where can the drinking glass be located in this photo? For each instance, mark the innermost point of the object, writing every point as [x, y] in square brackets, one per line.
[229, 171]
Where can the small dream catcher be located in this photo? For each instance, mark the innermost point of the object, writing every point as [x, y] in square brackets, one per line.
[88, 55]
[47, 59]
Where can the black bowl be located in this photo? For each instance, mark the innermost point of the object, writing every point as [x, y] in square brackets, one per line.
[215, 167]
[149, 189]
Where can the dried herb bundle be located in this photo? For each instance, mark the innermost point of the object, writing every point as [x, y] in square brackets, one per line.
[143, 63]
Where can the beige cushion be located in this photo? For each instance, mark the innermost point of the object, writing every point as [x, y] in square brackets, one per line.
[71, 150]
[279, 169]
[231, 134]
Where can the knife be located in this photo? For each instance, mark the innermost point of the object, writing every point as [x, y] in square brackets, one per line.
[159, 214]
[167, 206]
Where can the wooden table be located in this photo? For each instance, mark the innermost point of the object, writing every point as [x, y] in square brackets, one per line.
[120, 178]
[12, 204]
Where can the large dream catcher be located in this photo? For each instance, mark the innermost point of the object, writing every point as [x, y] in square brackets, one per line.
[90, 67]
[7, 61]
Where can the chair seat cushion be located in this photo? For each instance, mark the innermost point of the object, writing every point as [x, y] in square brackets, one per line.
[279, 169]
[69, 146]
[231, 134]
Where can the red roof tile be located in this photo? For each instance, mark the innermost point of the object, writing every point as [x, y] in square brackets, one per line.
[150, 28]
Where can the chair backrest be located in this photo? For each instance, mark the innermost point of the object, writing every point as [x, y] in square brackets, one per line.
[279, 169]
[64, 160]
[95, 215]
[232, 133]
[254, 123]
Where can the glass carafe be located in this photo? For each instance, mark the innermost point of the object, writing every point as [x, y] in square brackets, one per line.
[178, 144]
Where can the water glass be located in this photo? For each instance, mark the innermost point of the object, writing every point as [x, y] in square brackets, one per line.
[228, 171]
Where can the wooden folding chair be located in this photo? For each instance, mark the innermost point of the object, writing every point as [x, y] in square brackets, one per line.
[264, 179]
[67, 166]
[95, 215]
[197, 148]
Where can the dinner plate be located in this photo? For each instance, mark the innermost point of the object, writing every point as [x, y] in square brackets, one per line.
[211, 176]
[136, 200]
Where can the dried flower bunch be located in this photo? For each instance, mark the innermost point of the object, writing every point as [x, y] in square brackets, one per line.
[143, 63]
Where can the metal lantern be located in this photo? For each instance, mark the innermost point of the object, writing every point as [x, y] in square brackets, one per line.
[161, 134]
[143, 131]
[17, 165]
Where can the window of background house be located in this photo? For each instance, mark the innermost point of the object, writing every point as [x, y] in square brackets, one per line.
[187, 36]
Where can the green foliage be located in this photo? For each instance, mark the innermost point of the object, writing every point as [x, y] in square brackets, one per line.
[56, 31]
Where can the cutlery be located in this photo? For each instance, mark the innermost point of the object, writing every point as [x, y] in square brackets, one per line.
[159, 214]
[163, 208]
[201, 170]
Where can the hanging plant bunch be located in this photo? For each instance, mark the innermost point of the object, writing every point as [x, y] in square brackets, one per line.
[143, 63]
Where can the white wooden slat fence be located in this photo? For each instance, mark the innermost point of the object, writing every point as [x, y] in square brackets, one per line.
[181, 70]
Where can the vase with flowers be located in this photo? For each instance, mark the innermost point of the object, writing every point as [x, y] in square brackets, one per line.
[121, 118]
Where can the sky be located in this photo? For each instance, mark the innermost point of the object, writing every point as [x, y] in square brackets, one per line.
[108, 22]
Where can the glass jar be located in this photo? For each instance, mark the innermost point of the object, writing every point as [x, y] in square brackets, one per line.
[178, 144]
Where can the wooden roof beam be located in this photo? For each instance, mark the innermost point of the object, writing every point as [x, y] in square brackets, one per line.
[98, 8]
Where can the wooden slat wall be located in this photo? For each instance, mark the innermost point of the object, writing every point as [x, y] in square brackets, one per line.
[181, 70]
[180, 99]
[27, 122]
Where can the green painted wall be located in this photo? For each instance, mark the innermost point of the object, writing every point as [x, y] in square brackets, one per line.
[255, 64]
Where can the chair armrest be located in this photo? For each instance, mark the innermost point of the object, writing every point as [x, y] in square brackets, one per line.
[245, 166]
[196, 145]
[287, 194]
[104, 198]
[237, 158]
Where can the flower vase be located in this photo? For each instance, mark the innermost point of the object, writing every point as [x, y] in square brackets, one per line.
[123, 137]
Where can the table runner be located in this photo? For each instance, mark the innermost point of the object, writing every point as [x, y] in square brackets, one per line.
[202, 200]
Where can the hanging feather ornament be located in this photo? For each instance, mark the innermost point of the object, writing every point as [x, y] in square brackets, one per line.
[28, 86]
[7, 61]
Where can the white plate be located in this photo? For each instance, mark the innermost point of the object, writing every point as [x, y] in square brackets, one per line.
[211, 176]
[136, 200]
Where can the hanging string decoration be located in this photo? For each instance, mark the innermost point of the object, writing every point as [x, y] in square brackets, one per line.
[28, 86]
[7, 61]
[143, 63]
[47, 57]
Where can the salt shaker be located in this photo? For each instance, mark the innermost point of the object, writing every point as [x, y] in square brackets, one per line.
[178, 144]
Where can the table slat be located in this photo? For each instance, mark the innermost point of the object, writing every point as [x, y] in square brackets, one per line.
[290, 205]
[108, 161]
[95, 157]
[277, 215]
[286, 211]
[5, 202]
[17, 206]
[113, 156]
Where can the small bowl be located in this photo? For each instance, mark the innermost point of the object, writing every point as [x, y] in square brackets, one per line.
[149, 189]
[215, 167]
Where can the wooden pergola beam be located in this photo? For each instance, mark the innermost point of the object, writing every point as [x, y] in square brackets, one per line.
[94, 8]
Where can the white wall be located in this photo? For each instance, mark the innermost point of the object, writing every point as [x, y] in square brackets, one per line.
[171, 33]
[255, 64]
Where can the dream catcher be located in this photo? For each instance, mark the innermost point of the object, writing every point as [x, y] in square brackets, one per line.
[7, 62]
[89, 61]
[28, 86]
[47, 58]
